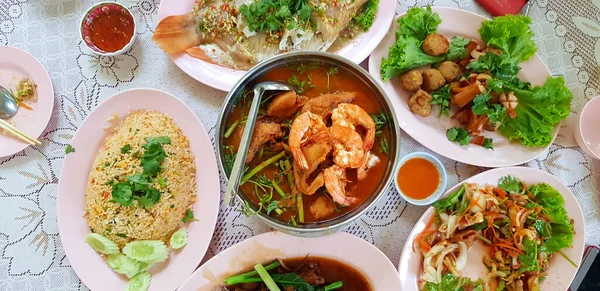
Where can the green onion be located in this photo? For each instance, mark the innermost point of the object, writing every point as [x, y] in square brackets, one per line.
[261, 166]
[237, 278]
[567, 257]
[231, 129]
[300, 203]
[278, 189]
[262, 272]
[333, 286]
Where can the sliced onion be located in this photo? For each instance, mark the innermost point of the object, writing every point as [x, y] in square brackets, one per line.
[461, 260]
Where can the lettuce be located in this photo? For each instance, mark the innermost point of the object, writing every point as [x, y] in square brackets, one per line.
[561, 231]
[511, 34]
[539, 109]
[365, 16]
[418, 23]
[450, 202]
[451, 283]
[529, 259]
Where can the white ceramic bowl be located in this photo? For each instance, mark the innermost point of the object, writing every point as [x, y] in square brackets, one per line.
[92, 12]
[587, 133]
[441, 186]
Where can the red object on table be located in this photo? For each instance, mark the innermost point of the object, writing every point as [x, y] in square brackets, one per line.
[502, 7]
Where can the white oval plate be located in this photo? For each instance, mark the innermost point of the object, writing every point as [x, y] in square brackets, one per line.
[88, 140]
[560, 272]
[343, 247]
[16, 64]
[224, 78]
[431, 131]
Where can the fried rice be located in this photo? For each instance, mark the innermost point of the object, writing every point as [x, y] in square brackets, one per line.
[123, 224]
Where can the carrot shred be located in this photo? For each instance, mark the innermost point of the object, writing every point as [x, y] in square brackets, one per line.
[24, 105]
[419, 237]
[500, 192]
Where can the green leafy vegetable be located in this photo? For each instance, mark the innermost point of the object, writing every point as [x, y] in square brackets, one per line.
[272, 206]
[451, 283]
[480, 104]
[126, 148]
[529, 259]
[380, 120]
[457, 48]
[292, 280]
[458, 134]
[512, 34]
[406, 54]
[136, 187]
[365, 16]
[189, 216]
[561, 231]
[271, 15]
[154, 154]
[538, 111]
[442, 98]
[267, 279]
[300, 85]
[510, 184]
[384, 145]
[449, 202]
[69, 149]
[418, 23]
[487, 143]
[543, 228]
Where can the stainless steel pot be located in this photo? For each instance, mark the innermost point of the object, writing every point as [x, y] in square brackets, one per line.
[247, 81]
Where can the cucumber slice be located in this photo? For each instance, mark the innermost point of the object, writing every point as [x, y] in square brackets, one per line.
[148, 251]
[139, 282]
[101, 244]
[145, 266]
[179, 239]
[123, 265]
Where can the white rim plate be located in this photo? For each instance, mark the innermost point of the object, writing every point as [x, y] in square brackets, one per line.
[343, 247]
[224, 79]
[88, 139]
[17, 63]
[560, 272]
[431, 131]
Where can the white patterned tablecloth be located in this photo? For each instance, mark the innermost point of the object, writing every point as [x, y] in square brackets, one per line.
[31, 254]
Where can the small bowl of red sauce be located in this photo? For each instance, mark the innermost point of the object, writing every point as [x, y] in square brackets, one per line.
[420, 178]
[108, 28]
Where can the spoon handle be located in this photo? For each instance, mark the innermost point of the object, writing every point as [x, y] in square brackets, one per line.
[240, 157]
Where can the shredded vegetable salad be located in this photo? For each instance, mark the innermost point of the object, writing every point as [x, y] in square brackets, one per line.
[522, 225]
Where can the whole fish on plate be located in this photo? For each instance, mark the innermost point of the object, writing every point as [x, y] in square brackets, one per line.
[240, 33]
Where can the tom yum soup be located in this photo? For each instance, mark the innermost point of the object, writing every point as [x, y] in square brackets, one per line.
[316, 152]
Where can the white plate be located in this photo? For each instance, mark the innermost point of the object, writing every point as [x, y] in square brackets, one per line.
[88, 140]
[431, 131]
[343, 247]
[560, 272]
[223, 78]
[16, 64]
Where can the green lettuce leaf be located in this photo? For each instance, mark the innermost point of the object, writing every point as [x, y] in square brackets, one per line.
[511, 34]
[450, 202]
[365, 16]
[561, 230]
[406, 54]
[538, 111]
[451, 283]
[418, 23]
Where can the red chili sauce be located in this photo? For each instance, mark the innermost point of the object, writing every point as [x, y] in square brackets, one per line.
[112, 30]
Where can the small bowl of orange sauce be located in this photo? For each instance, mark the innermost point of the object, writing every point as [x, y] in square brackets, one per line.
[108, 28]
[420, 178]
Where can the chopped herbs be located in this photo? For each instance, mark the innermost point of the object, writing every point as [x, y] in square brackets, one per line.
[442, 98]
[380, 120]
[510, 184]
[383, 145]
[189, 216]
[299, 85]
[154, 154]
[487, 143]
[125, 149]
[459, 135]
[121, 235]
[271, 15]
[69, 149]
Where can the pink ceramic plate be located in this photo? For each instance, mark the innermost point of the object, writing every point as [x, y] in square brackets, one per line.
[223, 78]
[16, 64]
[87, 141]
[560, 272]
[431, 131]
[343, 247]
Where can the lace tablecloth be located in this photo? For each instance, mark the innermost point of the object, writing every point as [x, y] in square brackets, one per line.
[31, 255]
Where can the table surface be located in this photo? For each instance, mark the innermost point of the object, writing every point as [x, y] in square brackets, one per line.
[567, 34]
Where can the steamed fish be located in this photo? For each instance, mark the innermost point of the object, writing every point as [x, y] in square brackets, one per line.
[240, 33]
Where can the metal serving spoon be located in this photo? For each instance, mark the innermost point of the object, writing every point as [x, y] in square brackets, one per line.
[238, 166]
[8, 104]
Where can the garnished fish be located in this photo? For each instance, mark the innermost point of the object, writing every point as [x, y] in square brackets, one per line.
[240, 33]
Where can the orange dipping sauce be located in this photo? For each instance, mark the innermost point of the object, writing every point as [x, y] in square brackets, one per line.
[418, 178]
[112, 30]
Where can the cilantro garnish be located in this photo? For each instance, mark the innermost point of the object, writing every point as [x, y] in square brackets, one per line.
[189, 216]
[459, 135]
[69, 149]
[487, 143]
[442, 98]
[510, 184]
[272, 15]
[125, 149]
